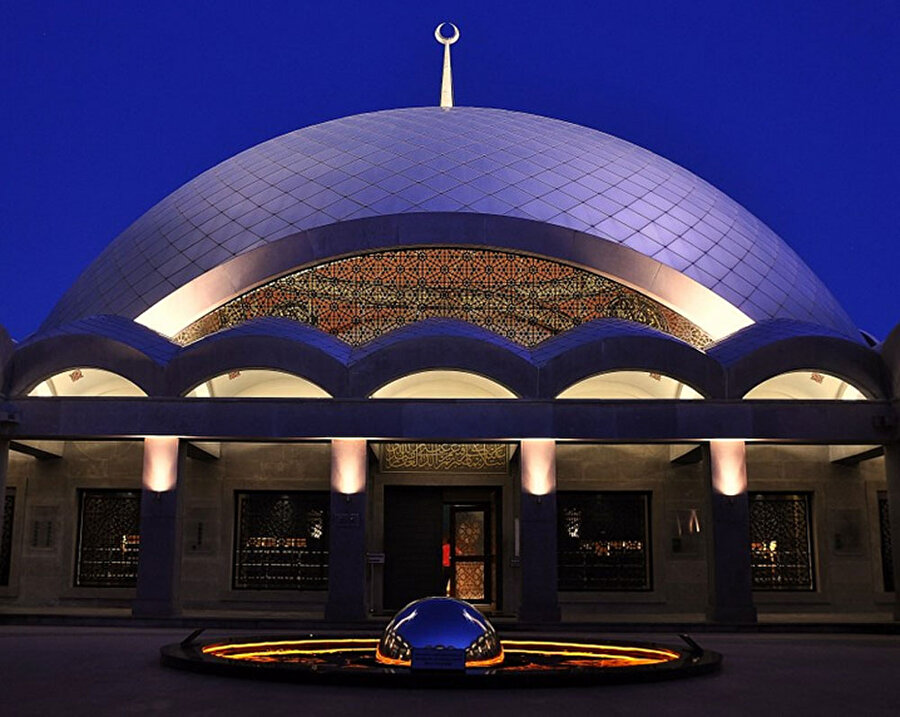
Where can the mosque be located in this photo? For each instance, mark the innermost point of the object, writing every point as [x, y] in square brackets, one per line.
[450, 351]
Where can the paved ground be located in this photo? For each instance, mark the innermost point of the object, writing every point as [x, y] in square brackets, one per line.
[115, 671]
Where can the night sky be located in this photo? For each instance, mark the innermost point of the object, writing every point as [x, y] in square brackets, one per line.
[791, 108]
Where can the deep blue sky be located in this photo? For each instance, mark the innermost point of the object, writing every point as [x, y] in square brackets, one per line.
[791, 107]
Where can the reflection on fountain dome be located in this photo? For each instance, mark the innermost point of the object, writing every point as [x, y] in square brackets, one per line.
[440, 623]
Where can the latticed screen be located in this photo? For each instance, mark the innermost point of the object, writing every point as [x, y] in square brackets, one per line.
[109, 537]
[471, 550]
[524, 298]
[281, 541]
[887, 551]
[9, 505]
[781, 541]
[603, 541]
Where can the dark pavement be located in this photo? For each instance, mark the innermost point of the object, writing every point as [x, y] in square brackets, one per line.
[66, 670]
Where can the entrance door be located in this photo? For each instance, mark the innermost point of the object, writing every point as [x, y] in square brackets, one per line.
[440, 541]
[471, 552]
[412, 544]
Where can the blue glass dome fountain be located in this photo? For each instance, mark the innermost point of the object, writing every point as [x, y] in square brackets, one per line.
[435, 624]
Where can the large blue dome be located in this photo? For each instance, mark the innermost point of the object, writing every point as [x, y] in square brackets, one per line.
[470, 160]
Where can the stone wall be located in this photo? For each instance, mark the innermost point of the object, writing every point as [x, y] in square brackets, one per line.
[45, 523]
[845, 530]
[844, 515]
[209, 519]
[678, 568]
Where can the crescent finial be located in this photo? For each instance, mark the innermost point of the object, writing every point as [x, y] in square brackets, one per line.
[447, 78]
[446, 40]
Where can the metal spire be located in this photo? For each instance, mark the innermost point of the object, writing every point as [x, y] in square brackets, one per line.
[447, 78]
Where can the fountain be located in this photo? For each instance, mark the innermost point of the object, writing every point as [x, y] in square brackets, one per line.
[440, 642]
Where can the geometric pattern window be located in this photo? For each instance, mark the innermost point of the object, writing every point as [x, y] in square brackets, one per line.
[781, 550]
[887, 553]
[281, 540]
[469, 552]
[9, 509]
[603, 541]
[524, 298]
[109, 537]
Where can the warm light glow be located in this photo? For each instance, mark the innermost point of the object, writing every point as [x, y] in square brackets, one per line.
[160, 463]
[806, 385]
[393, 661]
[729, 466]
[536, 645]
[188, 303]
[443, 384]
[626, 654]
[86, 382]
[538, 466]
[674, 290]
[630, 384]
[616, 655]
[257, 383]
[271, 651]
[348, 465]
[344, 642]
[490, 662]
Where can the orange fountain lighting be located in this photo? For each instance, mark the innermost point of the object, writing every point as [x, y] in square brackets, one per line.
[281, 650]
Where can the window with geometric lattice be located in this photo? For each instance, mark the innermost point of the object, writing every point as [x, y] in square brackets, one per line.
[603, 540]
[887, 553]
[9, 509]
[281, 540]
[781, 548]
[109, 538]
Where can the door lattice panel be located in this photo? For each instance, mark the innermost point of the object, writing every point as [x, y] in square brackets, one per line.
[469, 580]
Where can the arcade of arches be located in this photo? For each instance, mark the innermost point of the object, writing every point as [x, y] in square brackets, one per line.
[624, 527]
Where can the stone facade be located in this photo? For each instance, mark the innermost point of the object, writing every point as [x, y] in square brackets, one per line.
[845, 525]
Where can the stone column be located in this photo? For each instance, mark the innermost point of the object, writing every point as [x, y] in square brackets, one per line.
[892, 474]
[539, 601]
[159, 560]
[728, 547]
[347, 526]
